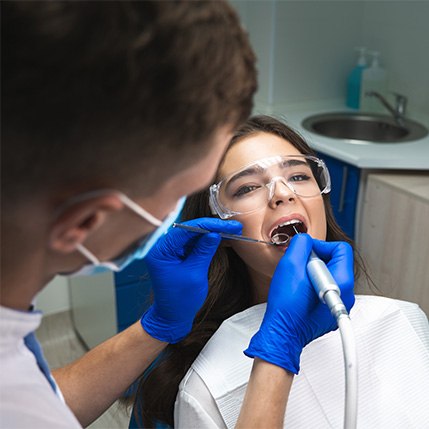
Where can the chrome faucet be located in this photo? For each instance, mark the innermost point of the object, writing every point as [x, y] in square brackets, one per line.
[398, 112]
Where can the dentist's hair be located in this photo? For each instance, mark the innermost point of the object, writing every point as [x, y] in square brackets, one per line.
[100, 94]
[229, 291]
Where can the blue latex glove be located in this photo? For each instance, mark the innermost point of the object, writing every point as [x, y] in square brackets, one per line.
[295, 316]
[178, 266]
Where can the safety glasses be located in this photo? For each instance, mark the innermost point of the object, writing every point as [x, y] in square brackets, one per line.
[252, 187]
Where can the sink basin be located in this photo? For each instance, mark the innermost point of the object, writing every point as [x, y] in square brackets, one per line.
[364, 127]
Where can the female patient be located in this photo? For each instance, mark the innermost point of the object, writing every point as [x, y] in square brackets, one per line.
[272, 182]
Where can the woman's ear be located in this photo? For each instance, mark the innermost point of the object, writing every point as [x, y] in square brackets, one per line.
[80, 220]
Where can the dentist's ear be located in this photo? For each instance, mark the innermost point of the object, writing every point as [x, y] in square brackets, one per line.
[80, 220]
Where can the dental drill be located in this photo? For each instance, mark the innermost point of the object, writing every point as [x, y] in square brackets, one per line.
[329, 293]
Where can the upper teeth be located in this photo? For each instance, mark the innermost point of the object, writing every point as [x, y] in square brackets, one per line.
[289, 222]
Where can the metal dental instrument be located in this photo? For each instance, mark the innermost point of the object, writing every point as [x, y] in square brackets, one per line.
[222, 234]
[277, 239]
[329, 293]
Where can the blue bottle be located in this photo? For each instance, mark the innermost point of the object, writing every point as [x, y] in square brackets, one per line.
[354, 81]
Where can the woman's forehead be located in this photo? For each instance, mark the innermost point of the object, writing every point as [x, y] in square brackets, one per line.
[254, 148]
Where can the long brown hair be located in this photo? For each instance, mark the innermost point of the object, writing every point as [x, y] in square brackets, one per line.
[229, 293]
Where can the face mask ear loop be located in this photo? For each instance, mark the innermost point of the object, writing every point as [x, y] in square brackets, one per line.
[93, 259]
[88, 255]
[140, 210]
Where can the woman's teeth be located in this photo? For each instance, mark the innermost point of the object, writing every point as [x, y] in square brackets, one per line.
[286, 230]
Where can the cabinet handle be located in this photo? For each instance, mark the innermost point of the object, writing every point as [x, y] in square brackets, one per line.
[343, 189]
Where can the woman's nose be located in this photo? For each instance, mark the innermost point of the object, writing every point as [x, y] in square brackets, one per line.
[280, 193]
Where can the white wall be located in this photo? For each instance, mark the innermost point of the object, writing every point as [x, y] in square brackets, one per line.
[305, 48]
[400, 31]
[54, 298]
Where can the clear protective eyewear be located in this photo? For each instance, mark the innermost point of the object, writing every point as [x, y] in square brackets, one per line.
[252, 187]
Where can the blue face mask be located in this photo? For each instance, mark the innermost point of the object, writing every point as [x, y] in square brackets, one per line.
[142, 248]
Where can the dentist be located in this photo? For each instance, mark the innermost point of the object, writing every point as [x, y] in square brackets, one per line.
[112, 112]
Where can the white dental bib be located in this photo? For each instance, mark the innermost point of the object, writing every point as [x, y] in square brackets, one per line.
[393, 357]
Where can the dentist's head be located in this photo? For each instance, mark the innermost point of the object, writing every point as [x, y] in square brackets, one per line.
[111, 113]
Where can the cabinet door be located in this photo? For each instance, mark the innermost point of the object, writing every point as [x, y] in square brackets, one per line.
[394, 235]
[133, 293]
[344, 193]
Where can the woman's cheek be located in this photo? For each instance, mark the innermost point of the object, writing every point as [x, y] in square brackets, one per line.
[318, 219]
[259, 257]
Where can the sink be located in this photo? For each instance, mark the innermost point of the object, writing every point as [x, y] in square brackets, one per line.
[364, 127]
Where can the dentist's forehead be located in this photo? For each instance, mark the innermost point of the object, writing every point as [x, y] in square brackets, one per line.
[254, 148]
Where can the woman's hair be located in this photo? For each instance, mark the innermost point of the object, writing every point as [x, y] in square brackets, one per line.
[229, 292]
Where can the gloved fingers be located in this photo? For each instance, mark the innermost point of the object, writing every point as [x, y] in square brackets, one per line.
[348, 299]
[336, 254]
[328, 250]
[292, 266]
[204, 249]
[339, 260]
[178, 243]
[298, 250]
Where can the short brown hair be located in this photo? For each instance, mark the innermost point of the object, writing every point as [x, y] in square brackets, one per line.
[106, 90]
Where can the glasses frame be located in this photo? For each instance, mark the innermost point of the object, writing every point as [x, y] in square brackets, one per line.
[224, 213]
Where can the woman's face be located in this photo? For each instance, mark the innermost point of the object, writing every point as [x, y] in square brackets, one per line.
[285, 206]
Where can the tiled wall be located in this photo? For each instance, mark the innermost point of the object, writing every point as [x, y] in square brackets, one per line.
[400, 31]
[306, 48]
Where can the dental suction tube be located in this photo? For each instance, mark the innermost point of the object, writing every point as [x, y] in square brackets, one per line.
[329, 293]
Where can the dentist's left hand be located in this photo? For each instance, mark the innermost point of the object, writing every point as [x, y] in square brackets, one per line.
[178, 266]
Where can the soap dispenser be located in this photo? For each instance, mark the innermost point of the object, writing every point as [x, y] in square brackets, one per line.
[355, 79]
[374, 79]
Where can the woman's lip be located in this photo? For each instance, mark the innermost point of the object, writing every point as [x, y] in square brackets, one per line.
[286, 219]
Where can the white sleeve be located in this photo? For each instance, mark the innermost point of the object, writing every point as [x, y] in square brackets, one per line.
[195, 408]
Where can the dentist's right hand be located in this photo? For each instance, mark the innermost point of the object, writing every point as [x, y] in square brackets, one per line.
[295, 316]
[178, 266]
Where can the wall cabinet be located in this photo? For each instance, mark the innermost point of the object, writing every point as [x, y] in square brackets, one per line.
[344, 194]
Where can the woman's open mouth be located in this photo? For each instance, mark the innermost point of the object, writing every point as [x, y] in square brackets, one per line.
[283, 232]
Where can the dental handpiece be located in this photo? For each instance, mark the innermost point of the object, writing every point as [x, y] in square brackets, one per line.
[222, 234]
[325, 285]
[329, 293]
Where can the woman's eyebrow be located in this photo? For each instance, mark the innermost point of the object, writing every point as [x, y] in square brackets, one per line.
[247, 172]
[256, 169]
[292, 162]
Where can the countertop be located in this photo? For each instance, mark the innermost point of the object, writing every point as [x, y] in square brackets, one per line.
[415, 185]
[373, 156]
